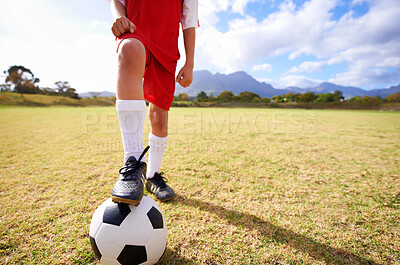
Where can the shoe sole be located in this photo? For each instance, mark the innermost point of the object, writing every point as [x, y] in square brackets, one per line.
[165, 200]
[149, 190]
[125, 200]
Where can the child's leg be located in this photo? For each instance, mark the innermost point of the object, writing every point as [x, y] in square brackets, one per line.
[131, 111]
[158, 138]
[131, 65]
[130, 105]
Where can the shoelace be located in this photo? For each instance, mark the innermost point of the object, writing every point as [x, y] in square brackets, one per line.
[160, 180]
[132, 166]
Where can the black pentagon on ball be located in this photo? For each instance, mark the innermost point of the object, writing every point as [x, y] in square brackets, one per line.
[115, 214]
[94, 247]
[131, 255]
[155, 218]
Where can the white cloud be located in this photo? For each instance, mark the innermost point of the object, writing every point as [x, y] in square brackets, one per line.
[292, 80]
[97, 24]
[272, 82]
[359, 2]
[359, 73]
[308, 67]
[84, 54]
[56, 49]
[371, 40]
[262, 67]
[208, 10]
[239, 6]
[299, 81]
[279, 33]
[369, 44]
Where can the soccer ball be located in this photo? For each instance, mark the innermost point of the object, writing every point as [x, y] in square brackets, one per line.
[127, 234]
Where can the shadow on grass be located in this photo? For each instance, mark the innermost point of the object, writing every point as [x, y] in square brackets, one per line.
[172, 257]
[274, 233]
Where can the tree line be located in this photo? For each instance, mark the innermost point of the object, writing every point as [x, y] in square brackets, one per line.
[21, 80]
[309, 97]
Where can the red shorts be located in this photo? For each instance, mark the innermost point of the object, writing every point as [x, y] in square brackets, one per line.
[158, 82]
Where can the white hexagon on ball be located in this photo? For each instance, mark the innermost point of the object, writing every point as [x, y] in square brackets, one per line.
[122, 234]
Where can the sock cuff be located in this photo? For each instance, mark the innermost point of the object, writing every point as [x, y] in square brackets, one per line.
[155, 138]
[130, 105]
[157, 143]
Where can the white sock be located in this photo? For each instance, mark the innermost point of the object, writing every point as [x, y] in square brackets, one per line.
[156, 152]
[131, 115]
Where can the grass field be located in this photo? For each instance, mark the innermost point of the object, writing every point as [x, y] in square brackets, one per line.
[255, 186]
[39, 100]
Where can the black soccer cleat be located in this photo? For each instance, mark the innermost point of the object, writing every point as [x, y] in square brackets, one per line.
[129, 186]
[159, 188]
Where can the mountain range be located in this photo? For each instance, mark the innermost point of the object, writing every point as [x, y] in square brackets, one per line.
[241, 81]
[96, 94]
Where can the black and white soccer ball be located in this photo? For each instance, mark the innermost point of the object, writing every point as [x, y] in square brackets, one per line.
[127, 234]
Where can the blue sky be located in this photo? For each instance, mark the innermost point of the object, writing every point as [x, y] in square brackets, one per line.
[282, 42]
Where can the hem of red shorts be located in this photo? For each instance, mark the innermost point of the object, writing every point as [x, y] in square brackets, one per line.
[163, 106]
[131, 36]
[143, 41]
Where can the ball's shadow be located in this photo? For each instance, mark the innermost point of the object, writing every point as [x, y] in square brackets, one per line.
[172, 257]
[274, 233]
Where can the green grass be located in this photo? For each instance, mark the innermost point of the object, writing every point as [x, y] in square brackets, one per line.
[39, 100]
[255, 186]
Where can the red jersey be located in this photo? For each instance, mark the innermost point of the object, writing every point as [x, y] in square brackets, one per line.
[157, 26]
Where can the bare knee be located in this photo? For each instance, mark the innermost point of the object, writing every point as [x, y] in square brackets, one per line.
[131, 65]
[132, 53]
